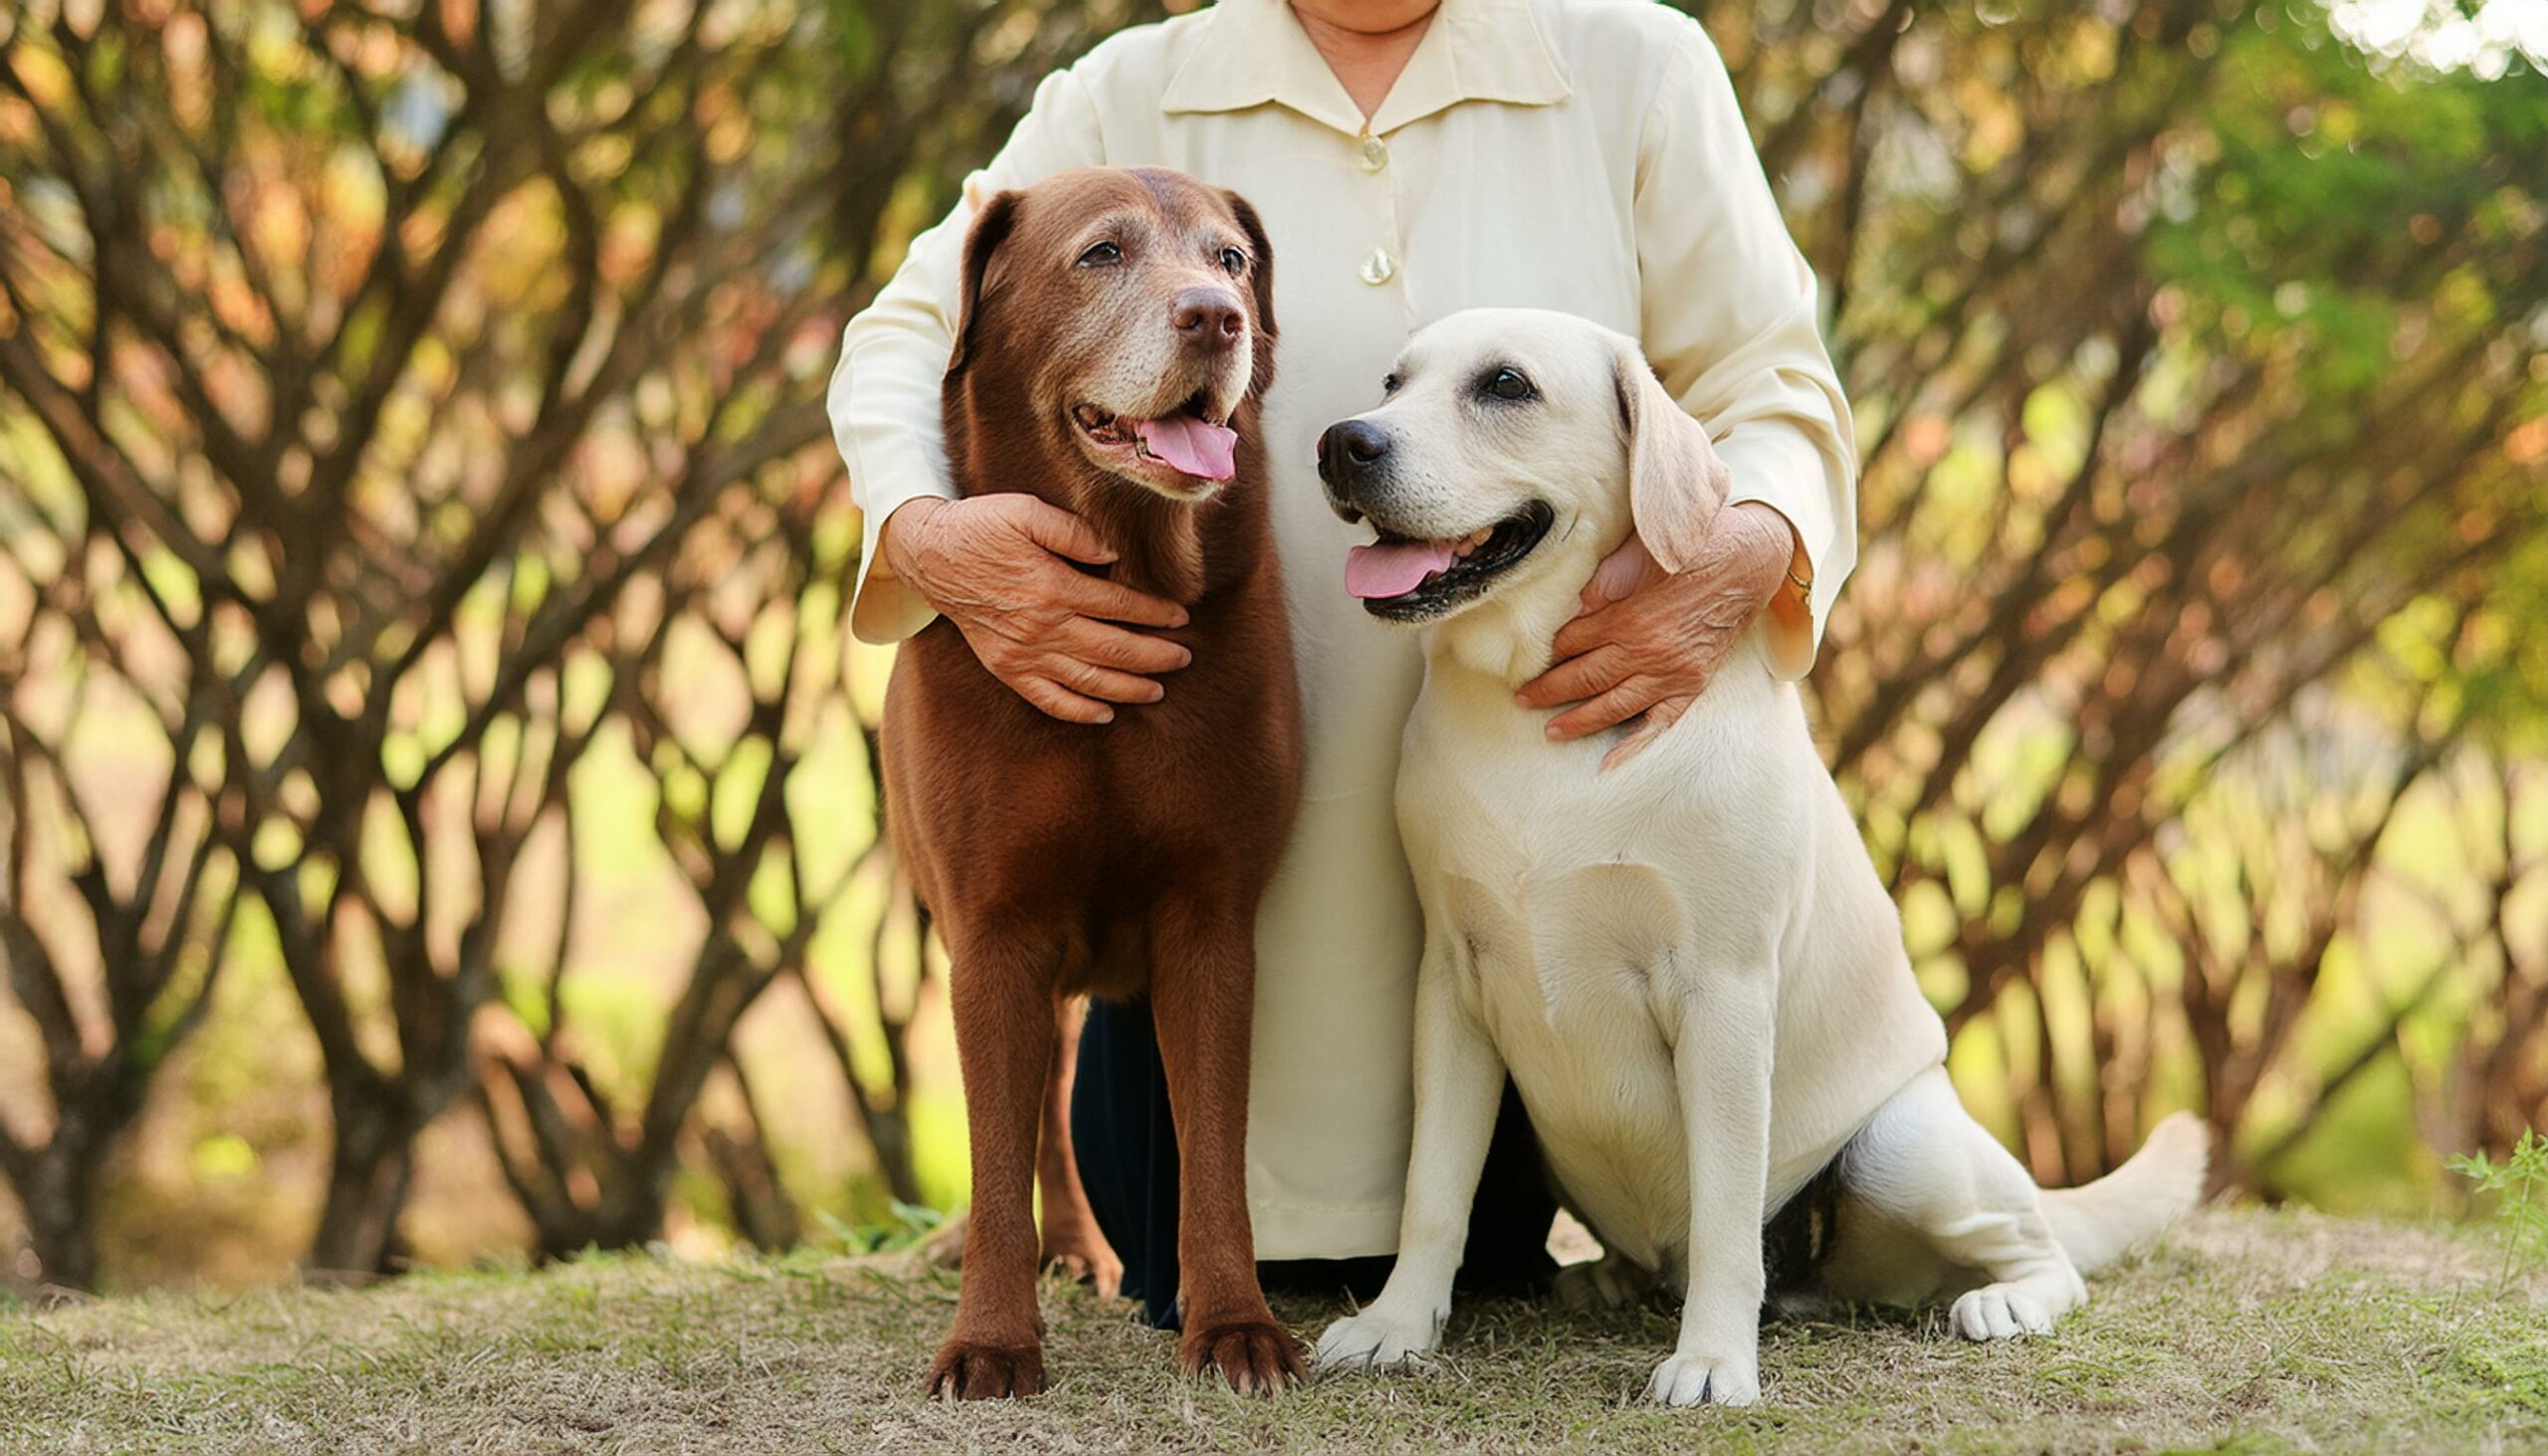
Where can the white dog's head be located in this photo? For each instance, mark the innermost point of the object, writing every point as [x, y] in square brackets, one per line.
[1515, 450]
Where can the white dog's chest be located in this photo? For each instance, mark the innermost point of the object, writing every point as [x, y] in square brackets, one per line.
[1582, 916]
[1576, 933]
[1575, 973]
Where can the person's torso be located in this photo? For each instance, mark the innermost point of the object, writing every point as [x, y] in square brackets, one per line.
[1476, 204]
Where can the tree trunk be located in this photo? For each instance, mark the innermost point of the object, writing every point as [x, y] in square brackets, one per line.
[372, 1156]
[755, 1195]
[891, 1132]
[624, 1219]
[59, 1193]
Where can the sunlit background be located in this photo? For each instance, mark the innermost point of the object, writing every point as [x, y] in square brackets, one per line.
[437, 810]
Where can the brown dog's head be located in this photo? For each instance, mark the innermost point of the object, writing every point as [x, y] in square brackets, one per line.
[1131, 309]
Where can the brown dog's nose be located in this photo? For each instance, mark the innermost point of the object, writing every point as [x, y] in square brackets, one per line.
[1210, 318]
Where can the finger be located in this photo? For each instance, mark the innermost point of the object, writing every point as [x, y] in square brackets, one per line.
[1110, 646]
[1055, 701]
[1607, 710]
[1058, 531]
[1591, 630]
[1649, 728]
[1576, 679]
[1095, 596]
[1618, 574]
[1092, 681]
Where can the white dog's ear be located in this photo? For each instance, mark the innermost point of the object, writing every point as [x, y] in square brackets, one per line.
[1676, 483]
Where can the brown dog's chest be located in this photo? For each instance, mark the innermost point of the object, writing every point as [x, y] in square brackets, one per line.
[999, 810]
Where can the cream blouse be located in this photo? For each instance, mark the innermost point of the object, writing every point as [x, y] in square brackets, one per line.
[1586, 155]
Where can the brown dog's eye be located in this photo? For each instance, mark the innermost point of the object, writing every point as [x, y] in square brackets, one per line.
[1102, 255]
[1233, 262]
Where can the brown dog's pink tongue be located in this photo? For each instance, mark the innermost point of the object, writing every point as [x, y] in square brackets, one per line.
[1393, 569]
[1195, 447]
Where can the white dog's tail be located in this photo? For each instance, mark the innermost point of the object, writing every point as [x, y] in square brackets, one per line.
[2096, 1222]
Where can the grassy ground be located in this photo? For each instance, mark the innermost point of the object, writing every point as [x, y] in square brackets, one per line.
[2246, 1332]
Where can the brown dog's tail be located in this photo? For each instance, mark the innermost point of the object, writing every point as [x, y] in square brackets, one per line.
[2098, 1222]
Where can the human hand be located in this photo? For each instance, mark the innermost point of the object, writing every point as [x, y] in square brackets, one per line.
[1000, 567]
[1647, 641]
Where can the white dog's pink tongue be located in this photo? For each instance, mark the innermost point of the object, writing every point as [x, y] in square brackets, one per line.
[1197, 447]
[1393, 569]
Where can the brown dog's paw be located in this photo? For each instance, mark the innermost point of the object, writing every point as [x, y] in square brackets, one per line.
[968, 1371]
[1257, 1356]
[1085, 1257]
[1104, 1273]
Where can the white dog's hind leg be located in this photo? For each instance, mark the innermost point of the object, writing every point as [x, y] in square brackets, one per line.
[1459, 1085]
[1722, 1061]
[1923, 1161]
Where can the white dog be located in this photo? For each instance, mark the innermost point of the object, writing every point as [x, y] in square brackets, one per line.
[1687, 963]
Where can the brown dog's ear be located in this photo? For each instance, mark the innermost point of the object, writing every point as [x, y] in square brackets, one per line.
[992, 223]
[1261, 281]
[1676, 483]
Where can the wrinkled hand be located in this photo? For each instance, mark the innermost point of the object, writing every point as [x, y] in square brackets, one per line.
[1000, 567]
[1647, 641]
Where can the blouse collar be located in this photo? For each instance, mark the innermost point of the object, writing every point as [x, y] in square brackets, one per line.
[1254, 52]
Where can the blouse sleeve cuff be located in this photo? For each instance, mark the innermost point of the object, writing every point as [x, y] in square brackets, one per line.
[886, 609]
[1791, 477]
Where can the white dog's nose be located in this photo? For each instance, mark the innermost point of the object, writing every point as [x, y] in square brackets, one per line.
[1346, 454]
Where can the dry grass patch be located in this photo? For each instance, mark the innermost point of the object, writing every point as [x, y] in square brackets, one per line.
[2246, 1331]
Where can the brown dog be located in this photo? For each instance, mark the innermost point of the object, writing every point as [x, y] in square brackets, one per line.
[1118, 332]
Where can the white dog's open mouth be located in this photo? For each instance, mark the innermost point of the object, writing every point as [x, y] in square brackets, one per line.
[1410, 579]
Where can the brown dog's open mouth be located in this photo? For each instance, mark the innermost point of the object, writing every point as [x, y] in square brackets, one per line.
[1187, 441]
[1406, 579]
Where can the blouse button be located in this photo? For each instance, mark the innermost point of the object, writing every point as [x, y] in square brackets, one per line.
[1379, 268]
[1376, 153]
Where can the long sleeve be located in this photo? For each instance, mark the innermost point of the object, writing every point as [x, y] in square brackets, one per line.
[884, 399]
[1729, 322]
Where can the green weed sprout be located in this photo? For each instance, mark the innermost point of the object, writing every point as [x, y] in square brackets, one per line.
[2521, 1215]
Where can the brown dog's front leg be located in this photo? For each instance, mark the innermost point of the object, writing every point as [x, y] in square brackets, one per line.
[1001, 992]
[1072, 1241]
[1202, 995]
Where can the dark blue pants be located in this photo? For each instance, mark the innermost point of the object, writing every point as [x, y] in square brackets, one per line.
[1127, 1145]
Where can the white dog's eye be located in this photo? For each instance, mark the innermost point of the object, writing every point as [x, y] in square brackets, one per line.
[1390, 385]
[1101, 256]
[1509, 384]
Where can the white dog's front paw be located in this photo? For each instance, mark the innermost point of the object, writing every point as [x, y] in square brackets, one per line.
[1697, 1379]
[2000, 1312]
[1374, 1340]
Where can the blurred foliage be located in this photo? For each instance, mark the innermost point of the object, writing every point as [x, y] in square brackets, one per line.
[418, 414]
[2190, 688]
[433, 760]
